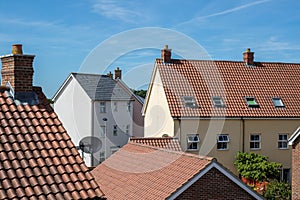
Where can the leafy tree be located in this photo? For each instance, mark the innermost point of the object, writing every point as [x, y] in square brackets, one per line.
[278, 190]
[141, 93]
[256, 167]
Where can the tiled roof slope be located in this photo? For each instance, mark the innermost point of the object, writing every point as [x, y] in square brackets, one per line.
[101, 87]
[139, 171]
[233, 81]
[163, 142]
[38, 159]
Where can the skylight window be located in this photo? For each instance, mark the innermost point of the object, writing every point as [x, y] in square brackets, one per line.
[251, 102]
[189, 102]
[218, 102]
[277, 102]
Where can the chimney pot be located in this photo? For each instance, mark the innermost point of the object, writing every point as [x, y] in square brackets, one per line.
[248, 57]
[166, 54]
[118, 73]
[17, 49]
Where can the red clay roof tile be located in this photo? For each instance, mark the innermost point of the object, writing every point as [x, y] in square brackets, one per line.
[33, 150]
[140, 171]
[164, 142]
[233, 81]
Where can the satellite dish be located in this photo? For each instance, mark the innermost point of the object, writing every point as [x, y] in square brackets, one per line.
[90, 144]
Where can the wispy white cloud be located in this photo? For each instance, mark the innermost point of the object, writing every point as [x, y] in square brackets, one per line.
[224, 12]
[274, 44]
[115, 10]
[26, 22]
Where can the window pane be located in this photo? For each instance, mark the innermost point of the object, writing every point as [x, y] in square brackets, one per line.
[189, 102]
[278, 102]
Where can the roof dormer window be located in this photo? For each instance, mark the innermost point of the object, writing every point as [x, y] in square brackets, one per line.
[189, 102]
[218, 102]
[278, 102]
[251, 102]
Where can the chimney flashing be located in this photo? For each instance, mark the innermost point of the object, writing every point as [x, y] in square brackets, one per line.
[16, 55]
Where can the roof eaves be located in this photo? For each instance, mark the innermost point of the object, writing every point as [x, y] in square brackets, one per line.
[63, 86]
[149, 88]
[294, 136]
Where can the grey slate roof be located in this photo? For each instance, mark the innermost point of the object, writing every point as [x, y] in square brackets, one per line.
[101, 87]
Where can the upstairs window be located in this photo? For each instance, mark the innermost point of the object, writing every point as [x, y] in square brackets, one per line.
[254, 141]
[115, 130]
[218, 102]
[189, 102]
[222, 142]
[102, 107]
[283, 141]
[251, 102]
[127, 129]
[193, 142]
[277, 102]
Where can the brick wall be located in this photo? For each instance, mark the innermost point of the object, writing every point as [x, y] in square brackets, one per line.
[214, 185]
[18, 70]
[296, 170]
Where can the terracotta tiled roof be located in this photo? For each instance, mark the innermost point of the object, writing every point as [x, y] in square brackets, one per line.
[37, 158]
[233, 81]
[139, 171]
[163, 142]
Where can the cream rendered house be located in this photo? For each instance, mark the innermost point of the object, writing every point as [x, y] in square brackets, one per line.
[98, 112]
[218, 108]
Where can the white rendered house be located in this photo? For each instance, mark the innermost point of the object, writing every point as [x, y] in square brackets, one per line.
[98, 107]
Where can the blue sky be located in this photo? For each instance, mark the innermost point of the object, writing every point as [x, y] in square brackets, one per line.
[63, 33]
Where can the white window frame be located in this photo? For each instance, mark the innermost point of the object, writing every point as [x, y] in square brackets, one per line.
[102, 107]
[255, 141]
[282, 174]
[115, 130]
[282, 141]
[193, 139]
[224, 140]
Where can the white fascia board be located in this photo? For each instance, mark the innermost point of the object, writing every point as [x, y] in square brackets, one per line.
[223, 171]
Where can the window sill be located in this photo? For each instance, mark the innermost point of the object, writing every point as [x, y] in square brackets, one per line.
[192, 150]
[255, 149]
[223, 149]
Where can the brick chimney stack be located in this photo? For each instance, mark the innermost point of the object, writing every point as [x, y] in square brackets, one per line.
[110, 75]
[248, 57]
[17, 69]
[118, 73]
[166, 54]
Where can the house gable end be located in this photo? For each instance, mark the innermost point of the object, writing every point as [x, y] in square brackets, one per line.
[206, 175]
